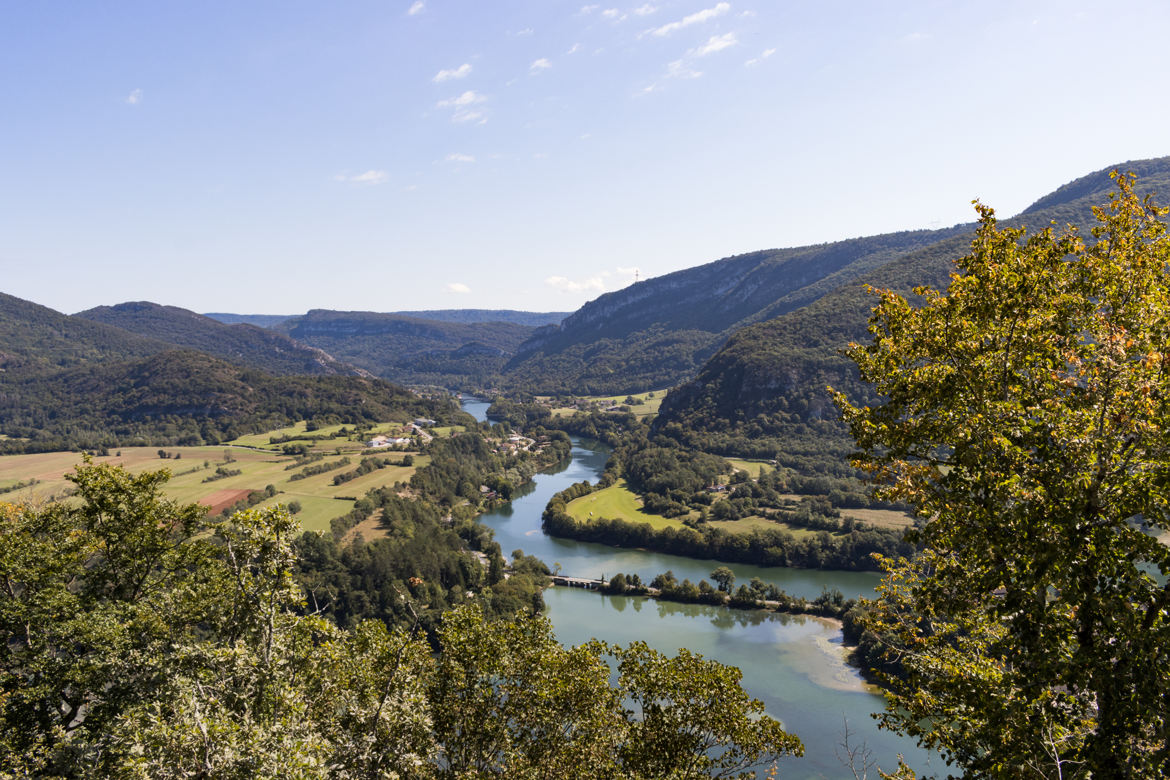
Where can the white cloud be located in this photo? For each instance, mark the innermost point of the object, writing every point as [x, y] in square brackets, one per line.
[452, 73]
[576, 47]
[915, 37]
[715, 43]
[696, 18]
[462, 106]
[645, 10]
[369, 177]
[527, 31]
[613, 14]
[679, 69]
[468, 98]
[416, 8]
[459, 288]
[765, 54]
[539, 65]
[598, 282]
[458, 157]
[588, 9]
[134, 98]
[462, 117]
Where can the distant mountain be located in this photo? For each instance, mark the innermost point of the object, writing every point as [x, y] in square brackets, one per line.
[533, 319]
[242, 344]
[658, 332]
[410, 349]
[763, 393]
[259, 320]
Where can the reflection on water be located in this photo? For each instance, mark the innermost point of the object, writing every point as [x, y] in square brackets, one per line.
[793, 663]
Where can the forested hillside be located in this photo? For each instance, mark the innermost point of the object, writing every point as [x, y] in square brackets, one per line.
[242, 344]
[411, 349]
[763, 394]
[71, 382]
[532, 319]
[184, 398]
[659, 332]
[35, 336]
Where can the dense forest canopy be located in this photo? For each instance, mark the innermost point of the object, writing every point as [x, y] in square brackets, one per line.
[141, 640]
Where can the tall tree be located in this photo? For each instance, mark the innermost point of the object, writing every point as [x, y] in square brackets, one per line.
[1025, 413]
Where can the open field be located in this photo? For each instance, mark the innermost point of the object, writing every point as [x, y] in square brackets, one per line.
[754, 468]
[320, 499]
[747, 524]
[880, 518]
[617, 501]
[316, 441]
[647, 408]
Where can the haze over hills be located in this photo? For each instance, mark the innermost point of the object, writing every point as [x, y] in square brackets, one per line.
[259, 320]
[411, 349]
[763, 394]
[242, 344]
[531, 318]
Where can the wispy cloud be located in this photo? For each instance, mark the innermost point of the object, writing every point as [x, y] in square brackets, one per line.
[459, 288]
[458, 157]
[463, 106]
[452, 73]
[765, 54]
[645, 10]
[715, 43]
[679, 69]
[416, 8]
[134, 98]
[698, 17]
[539, 65]
[369, 177]
[588, 9]
[576, 47]
[598, 282]
[613, 14]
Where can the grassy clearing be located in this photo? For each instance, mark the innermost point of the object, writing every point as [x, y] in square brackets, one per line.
[317, 495]
[617, 501]
[747, 524]
[647, 406]
[314, 440]
[880, 518]
[754, 468]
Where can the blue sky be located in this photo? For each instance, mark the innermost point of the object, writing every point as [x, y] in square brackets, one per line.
[275, 157]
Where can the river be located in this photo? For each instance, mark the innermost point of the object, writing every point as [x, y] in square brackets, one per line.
[794, 664]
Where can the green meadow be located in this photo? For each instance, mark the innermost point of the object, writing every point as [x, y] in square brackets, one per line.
[320, 499]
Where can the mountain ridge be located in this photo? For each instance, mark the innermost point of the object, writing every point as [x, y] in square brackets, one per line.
[763, 393]
[241, 343]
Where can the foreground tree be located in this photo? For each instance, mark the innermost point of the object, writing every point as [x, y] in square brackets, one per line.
[139, 639]
[1026, 413]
